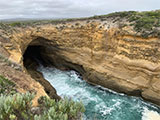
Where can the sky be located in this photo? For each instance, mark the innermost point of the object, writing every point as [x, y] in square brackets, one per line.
[53, 9]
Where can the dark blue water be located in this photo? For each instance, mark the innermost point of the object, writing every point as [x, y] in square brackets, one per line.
[100, 103]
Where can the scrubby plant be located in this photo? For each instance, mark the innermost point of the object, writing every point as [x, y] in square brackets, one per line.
[62, 110]
[18, 106]
[144, 22]
[77, 24]
[16, 24]
[6, 86]
[6, 60]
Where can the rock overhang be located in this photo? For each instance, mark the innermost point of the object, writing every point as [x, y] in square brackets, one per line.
[104, 52]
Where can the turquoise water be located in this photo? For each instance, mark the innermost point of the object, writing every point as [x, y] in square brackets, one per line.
[100, 103]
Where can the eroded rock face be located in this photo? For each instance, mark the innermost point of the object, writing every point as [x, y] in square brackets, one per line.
[23, 81]
[104, 53]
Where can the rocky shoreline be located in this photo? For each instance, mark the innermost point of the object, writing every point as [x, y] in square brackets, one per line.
[104, 51]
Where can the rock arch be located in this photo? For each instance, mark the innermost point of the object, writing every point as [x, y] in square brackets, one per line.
[104, 56]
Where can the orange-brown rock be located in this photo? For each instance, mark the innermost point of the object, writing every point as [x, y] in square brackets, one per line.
[104, 53]
[23, 81]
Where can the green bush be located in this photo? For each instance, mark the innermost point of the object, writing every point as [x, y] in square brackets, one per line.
[144, 22]
[61, 110]
[16, 24]
[18, 106]
[6, 86]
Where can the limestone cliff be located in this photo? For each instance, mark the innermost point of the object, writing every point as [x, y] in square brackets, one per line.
[116, 51]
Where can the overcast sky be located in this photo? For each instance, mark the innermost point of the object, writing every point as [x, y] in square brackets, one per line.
[70, 8]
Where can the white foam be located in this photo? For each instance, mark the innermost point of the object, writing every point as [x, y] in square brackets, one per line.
[69, 83]
[111, 91]
[107, 110]
[150, 115]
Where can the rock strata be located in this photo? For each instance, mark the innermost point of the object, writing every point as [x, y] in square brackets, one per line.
[102, 50]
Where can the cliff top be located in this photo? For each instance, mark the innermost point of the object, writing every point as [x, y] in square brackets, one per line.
[146, 23]
[108, 49]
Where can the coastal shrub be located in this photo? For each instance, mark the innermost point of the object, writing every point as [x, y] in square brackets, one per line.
[146, 22]
[77, 24]
[62, 110]
[6, 86]
[18, 106]
[143, 22]
[16, 24]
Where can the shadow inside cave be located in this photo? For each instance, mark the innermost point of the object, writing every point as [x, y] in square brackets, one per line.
[33, 57]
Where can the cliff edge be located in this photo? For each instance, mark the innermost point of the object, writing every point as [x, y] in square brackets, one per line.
[120, 51]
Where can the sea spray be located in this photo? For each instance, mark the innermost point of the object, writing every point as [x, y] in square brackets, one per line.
[150, 115]
[100, 103]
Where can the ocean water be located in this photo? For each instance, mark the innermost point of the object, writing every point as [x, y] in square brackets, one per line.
[100, 103]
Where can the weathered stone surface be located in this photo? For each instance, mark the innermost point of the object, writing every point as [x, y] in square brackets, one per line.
[101, 51]
[23, 81]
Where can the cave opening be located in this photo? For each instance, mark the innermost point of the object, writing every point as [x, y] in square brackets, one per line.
[48, 56]
[31, 56]
[34, 56]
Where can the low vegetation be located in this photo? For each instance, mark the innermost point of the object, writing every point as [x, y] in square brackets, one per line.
[6, 86]
[9, 63]
[147, 23]
[18, 106]
[62, 110]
